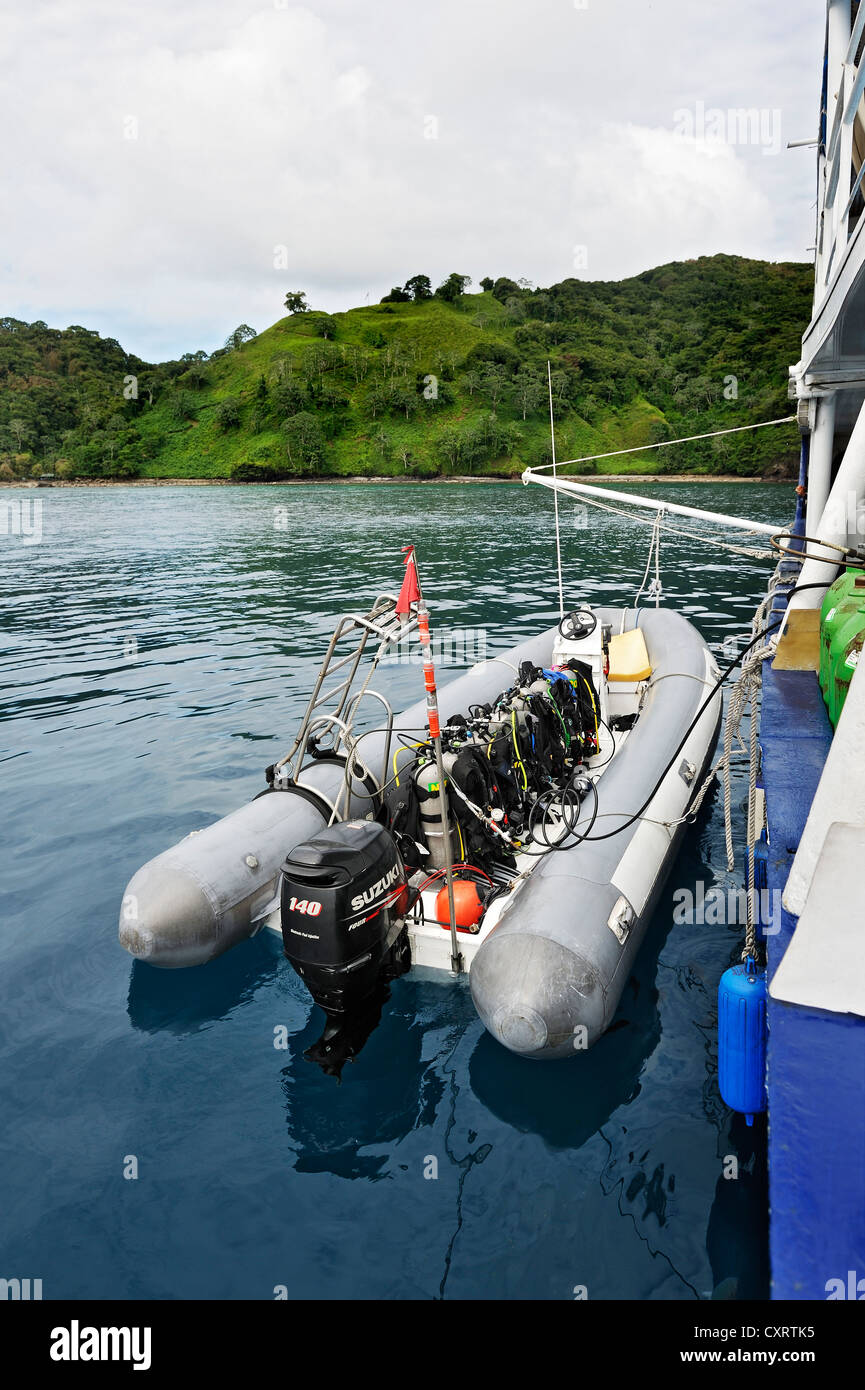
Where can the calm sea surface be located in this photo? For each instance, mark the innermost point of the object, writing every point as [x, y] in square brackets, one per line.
[156, 648]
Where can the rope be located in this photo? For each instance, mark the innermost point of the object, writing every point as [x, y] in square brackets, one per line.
[657, 584]
[666, 443]
[654, 588]
[743, 695]
[750, 551]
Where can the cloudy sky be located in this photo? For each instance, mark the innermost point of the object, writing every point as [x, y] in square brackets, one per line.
[170, 170]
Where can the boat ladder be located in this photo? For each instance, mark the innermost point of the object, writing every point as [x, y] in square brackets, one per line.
[358, 644]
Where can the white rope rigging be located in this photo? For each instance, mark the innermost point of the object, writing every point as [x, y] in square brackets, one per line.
[665, 443]
[751, 551]
[743, 694]
[655, 588]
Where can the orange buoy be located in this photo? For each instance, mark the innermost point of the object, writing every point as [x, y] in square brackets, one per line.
[468, 907]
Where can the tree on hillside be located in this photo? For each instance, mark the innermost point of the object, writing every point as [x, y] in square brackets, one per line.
[182, 407]
[383, 443]
[448, 363]
[377, 401]
[540, 306]
[331, 395]
[282, 368]
[419, 287]
[358, 363]
[242, 334]
[396, 296]
[403, 398]
[20, 431]
[496, 383]
[487, 283]
[325, 326]
[529, 390]
[304, 441]
[451, 288]
[228, 413]
[320, 359]
[289, 396]
[488, 440]
[449, 445]
[258, 420]
[561, 384]
[196, 373]
[295, 302]
[504, 288]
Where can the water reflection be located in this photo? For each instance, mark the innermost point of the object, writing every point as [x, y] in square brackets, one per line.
[568, 1101]
[737, 1238]
[185, 1001]
[387, 1094]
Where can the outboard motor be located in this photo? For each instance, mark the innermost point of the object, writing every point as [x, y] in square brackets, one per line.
[342, 899]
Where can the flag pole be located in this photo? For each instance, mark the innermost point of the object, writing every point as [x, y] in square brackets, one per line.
[435, 734]
[556, 493]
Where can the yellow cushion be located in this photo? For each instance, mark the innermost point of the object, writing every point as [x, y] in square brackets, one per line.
[629, 659]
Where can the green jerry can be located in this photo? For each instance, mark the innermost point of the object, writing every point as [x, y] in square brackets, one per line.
[842, 633]
[836, 605]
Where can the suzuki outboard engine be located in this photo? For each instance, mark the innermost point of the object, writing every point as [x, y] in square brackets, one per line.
[342, 899]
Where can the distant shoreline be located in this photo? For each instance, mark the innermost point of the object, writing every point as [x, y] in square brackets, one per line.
[594, 478]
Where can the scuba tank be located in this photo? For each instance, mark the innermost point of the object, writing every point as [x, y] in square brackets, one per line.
[431, 805]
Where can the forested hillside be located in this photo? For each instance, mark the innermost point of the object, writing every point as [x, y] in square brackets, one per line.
[428, 383]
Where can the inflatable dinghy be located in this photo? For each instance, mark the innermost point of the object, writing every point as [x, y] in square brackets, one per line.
[570, 763]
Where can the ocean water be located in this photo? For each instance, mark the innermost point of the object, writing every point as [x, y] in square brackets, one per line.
[156, 648]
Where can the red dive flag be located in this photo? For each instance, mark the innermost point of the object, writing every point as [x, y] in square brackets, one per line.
[410, 592]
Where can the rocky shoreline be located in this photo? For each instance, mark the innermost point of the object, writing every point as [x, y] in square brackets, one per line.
[595, 478]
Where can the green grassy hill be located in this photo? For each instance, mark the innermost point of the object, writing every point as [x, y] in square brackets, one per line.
[429, 387]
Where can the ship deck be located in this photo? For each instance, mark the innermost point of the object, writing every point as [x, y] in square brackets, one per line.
[816, 1057]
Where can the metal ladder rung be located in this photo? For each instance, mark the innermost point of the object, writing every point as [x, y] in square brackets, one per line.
[381, 623]
[326, 695]
[337, 665]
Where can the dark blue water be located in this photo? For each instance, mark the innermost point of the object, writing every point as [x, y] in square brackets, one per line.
[157, 645]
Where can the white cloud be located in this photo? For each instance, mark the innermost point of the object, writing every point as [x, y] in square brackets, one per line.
[675, 194]
[260, 126]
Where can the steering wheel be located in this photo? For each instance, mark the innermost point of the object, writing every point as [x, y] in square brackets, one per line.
[577, 625]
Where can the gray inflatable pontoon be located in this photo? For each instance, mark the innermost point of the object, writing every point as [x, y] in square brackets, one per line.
[551, 954]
